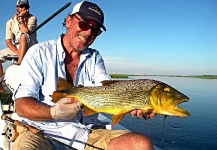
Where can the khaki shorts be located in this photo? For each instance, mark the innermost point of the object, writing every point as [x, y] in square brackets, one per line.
[99, 139]
[30, 141]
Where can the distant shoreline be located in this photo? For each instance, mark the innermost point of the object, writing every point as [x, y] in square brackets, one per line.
[189, 76]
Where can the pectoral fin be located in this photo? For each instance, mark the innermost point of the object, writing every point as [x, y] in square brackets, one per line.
[87, 111]
[117, 118]
[57, 96]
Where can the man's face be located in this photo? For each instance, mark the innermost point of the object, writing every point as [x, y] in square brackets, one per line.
[22, 8]
[78, 38]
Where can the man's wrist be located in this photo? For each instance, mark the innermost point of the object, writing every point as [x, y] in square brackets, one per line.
[21, 22]
[21, 17]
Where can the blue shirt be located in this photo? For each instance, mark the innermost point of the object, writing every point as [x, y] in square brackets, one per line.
[42, 65]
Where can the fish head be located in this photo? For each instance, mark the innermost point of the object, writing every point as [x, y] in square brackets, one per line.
[165, 100]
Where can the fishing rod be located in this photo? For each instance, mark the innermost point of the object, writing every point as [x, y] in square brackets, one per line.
[31, 129]
[51, 17]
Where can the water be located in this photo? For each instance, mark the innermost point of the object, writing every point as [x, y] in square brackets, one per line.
[197, 132]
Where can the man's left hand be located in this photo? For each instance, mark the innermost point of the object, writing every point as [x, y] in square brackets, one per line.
[140, 113]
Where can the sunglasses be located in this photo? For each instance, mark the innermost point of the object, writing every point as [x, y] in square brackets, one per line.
[83, 25]
[24, 6]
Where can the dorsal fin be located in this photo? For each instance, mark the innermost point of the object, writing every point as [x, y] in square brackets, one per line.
[108, 82]
[62, 84]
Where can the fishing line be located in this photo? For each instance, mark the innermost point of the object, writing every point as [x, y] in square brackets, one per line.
[162, 131]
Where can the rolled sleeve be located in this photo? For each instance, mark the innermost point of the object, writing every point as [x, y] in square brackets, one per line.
[32, 23]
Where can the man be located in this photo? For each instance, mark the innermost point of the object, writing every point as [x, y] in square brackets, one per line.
[71, 58]
[17, 38]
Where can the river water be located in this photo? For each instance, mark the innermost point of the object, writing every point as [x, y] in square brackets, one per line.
[197, 132]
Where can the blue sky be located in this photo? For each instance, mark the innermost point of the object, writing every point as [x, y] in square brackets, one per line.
[163, 37]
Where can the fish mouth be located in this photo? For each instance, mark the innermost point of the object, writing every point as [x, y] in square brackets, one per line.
[175, 111]
[180, 112]
[183, 98]
[165, 101]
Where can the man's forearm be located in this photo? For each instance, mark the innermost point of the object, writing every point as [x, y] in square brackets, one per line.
[12, 47]
[22, 20]
[30, 108]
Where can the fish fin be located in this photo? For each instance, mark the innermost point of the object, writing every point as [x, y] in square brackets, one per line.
[108, 82]
[62, 84]
[117, 118]
[57, 96]
[88, 111]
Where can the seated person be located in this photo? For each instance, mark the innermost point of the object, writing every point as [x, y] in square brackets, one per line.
[71, 58]
[17, 38]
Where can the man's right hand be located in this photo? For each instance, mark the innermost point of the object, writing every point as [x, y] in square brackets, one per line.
[24, 13]
[65, 108]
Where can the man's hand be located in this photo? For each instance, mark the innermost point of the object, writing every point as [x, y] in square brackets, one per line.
[24, 13]
[65, 108]
[140, 113]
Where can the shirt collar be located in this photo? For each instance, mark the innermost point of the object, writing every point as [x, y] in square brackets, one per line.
[60, 50]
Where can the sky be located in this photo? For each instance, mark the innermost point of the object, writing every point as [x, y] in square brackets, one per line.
[153, 37]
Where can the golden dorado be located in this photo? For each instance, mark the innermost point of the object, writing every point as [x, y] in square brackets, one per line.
[120, 97]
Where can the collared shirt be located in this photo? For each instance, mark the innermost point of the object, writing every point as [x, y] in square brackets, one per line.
[13, 31]
[41, 67]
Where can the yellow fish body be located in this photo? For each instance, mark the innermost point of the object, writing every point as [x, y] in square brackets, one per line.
[120, 97]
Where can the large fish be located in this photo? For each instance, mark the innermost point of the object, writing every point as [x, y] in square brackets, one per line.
[120, 97]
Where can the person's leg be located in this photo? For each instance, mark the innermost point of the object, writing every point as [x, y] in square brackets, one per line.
[23, 48]
[130, 141]
[102, 139]
[30, 141]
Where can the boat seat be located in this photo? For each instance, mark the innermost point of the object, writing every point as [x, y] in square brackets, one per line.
[12, 58]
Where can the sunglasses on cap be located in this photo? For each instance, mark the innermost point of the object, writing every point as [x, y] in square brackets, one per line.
[24, 6]
[83, 25]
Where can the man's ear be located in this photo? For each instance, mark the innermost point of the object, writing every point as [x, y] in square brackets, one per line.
[16, 7]
[68, 21]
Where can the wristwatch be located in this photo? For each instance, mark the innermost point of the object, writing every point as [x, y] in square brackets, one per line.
[21, 22]
[21, 18]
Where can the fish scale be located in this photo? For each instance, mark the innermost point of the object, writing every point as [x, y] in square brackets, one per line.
[120, 97]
